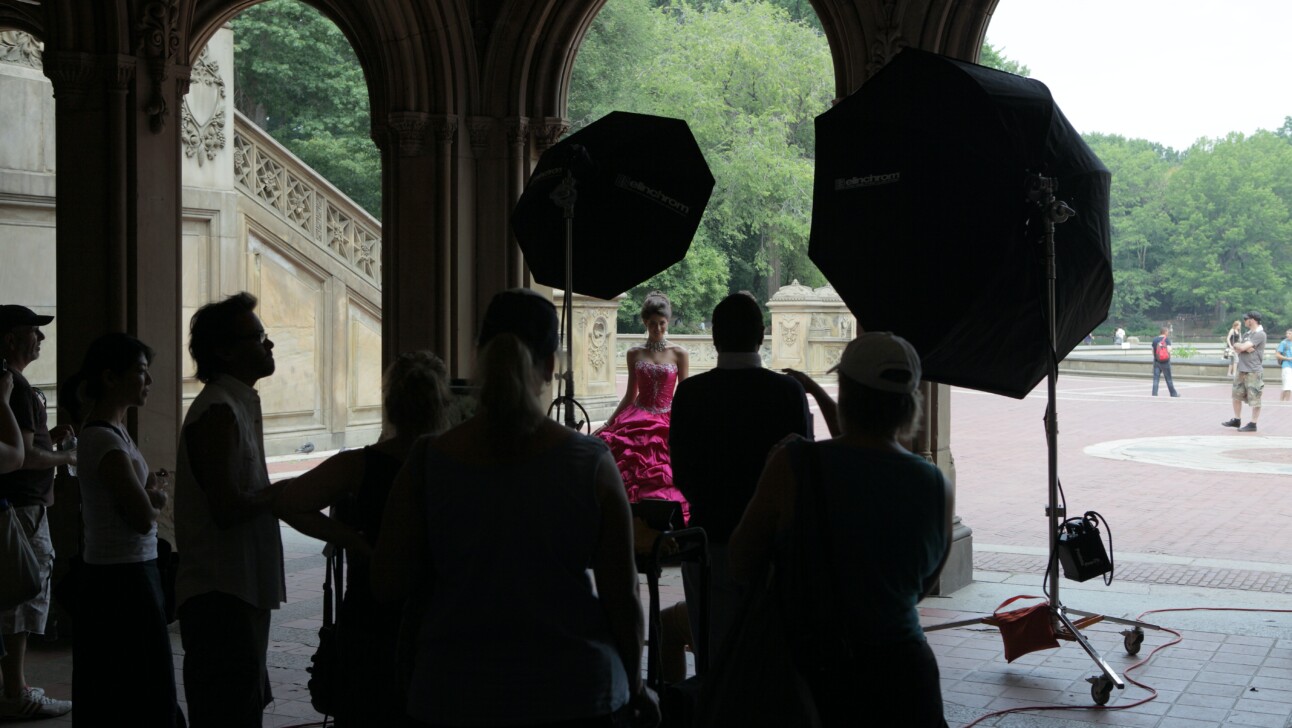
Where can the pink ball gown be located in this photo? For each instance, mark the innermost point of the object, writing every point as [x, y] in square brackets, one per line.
[638, 437]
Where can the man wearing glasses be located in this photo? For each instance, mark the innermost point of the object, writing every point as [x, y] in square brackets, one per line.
[230, 551]
[29, 491]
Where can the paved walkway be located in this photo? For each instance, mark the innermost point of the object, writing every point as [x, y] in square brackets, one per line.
[1191, 531]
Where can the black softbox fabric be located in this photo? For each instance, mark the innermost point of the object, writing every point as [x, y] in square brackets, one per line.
[922, 224]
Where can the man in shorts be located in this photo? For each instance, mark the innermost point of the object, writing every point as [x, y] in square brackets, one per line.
[1284, 355]
[1248, 380]
[29, 491]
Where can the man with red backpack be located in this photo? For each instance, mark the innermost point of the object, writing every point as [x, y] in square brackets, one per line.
[1162, 361]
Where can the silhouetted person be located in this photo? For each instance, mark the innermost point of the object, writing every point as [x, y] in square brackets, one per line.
[121, 641]
[29, 490]
[725, 421]
[230, 551]
[886, 517]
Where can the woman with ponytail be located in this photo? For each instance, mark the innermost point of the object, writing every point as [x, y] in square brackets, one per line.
[497, 522]
[356, 484]
[121, 645]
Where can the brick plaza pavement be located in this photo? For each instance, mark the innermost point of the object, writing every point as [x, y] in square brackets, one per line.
[1184, 538]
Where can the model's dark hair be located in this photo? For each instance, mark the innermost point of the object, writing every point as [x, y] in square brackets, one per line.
[116, 353]
[657, 303]
[415, 393]
[211, 328]
[876, 412]
[738, 323]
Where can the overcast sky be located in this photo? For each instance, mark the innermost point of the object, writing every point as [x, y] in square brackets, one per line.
[1170, 71]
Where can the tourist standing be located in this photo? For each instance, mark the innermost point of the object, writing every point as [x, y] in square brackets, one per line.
[1249, 379]
[1284, 355]
[230, 550]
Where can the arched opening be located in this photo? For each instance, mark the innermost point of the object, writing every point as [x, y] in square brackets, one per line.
[749, 78]
[27, 185]
[282, 198]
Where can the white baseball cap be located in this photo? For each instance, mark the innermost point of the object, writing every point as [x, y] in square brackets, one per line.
[881, 360]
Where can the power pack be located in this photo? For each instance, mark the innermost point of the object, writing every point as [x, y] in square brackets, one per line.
[1081, 549]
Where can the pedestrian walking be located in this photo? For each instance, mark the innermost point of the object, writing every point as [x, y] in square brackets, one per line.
[1162, 361]
[1284, 355]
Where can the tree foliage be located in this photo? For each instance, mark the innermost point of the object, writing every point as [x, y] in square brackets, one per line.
[749, 79]
[297, 78]
[992, 57]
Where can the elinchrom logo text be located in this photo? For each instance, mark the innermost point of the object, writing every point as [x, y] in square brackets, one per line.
[870, 180]
[645, 190]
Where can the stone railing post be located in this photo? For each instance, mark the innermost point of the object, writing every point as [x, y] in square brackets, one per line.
[791, 309]
[595, 365]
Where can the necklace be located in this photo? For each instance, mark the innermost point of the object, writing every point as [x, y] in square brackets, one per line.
[660, 345]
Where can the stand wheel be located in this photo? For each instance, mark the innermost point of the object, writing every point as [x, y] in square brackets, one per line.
[1101, 689]
[1133, 639]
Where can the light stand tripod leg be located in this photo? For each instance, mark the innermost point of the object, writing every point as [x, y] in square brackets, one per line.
[1089, 648]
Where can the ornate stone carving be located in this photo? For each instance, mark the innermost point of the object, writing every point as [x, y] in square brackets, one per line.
[549, 131]
[202, 131]
[20, 48]
[409, 129]
[795, 291]
[889, 41]
[518, 130]
[790, 333]
[159, 41]
[445, 129]
[301, 198]
[480, 129]
[599, 343]
[73, 74]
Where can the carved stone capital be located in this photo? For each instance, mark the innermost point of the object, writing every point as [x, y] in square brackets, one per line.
[409, 129]
[888, 37]
[74, 75]
[517, 130]
[480, 130]
[445, 128]
[549, 131]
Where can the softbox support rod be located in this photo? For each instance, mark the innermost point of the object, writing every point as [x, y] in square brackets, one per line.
[1040, 192]
[566, 196]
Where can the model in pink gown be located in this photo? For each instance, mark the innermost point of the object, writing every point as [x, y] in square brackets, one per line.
[638, 437]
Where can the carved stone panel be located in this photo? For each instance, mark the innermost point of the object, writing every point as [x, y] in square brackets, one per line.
[20, 48]
[202, 114]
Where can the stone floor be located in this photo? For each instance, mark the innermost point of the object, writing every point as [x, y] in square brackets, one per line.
[1194, 533]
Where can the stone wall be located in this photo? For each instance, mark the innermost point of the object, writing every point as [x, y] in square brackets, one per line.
[255, 218]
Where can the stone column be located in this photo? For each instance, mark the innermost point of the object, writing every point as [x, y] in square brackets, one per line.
[118, 212]
[595, 361]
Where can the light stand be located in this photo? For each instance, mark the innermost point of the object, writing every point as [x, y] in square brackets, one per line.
[566, 196]
[1040, 192]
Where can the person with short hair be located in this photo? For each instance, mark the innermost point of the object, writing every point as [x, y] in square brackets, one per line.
[29, 491]
[498, 522]
[122, 639]
[887, 516]
[1284, 355]
[1162, 360]
[1249, 380]
[725, 422]
[230, 550]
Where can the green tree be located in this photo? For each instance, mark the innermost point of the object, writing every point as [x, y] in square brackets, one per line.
[297, 78]
[749, 80]
[992, 57]
[1141, 225]
[1228, 248]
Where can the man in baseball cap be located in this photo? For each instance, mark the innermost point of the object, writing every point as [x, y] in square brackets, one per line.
[29, 491]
